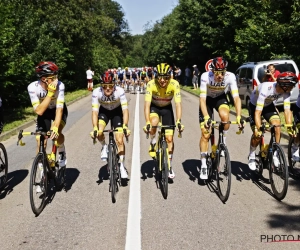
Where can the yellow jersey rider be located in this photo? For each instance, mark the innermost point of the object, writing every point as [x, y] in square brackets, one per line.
[159, 94]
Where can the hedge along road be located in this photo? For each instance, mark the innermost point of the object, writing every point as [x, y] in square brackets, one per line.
[193, 217]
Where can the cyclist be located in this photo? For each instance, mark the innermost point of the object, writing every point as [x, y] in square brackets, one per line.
[159, 94]
[47, 96]
[113, 107]
[213, 96]
[262, 104]
[128, 78]
[150, 74]
[1, 117]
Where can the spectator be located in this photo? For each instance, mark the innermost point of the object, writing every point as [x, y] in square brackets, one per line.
[89, 77]
[187, 75]
[271, 74]
[195, 76]
[177, 74]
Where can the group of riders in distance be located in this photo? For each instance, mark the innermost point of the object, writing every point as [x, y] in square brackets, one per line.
[109, 103]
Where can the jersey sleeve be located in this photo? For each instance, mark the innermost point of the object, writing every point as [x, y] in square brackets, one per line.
[33, 96]
[203, 85]
[233, 86]
[61, 95]
[177, 95]
[286, 100]
[148, 95]
[95, 100]
[262, 95]
[123, 99]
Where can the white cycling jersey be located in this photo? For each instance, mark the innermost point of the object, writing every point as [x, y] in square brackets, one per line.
[109, 102]
[89, 74]
[209, 87]
[265, 94]
[37, 94]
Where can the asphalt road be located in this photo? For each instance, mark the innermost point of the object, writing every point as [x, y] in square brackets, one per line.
[83, 217]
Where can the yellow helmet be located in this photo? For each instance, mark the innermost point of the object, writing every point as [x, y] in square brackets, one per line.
[126, 68]
[162, 69]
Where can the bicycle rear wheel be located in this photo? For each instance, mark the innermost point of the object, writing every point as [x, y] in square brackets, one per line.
[223, 172]
[294, 166]
[165, 169]
[3, 165]
[112, 171]
[279, 175]
[38, 184]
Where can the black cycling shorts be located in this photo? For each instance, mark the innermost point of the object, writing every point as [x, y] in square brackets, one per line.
[267, 113]
[165, 112]
[115, 116]
[213, 103]
[43, 122]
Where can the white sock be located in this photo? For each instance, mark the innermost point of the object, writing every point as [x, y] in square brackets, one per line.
[170, 158]
[252, 152]
[153, 140]
[224, 136]
[203, 159]
[103, 143]
[61, 148]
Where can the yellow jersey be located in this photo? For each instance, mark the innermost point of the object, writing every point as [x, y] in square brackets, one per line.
[162, 96]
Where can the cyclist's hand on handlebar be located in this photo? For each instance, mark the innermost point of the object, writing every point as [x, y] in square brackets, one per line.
[95, 132]
[179, 126]
[206, 122]
[257, 132]
[54, 135]
[126, 130]
[291, 130]
[147, 127]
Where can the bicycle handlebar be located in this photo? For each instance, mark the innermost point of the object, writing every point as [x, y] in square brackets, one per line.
[162, 126]
[241, 130]
[22, 133]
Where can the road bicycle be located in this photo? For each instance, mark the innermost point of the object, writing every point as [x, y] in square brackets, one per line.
[113, 161]
[44, 169]
[294, 166]
[3, 165]
[162, 161]
[218, 160]
[278, 175]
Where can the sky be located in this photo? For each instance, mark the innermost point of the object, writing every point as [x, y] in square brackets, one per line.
[139, 12]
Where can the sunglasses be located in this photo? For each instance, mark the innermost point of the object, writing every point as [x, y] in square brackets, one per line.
[110, 86]
[51, 77]
[220, 72]
[163, 78]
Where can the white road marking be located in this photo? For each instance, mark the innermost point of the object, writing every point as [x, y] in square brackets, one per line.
[133, 233]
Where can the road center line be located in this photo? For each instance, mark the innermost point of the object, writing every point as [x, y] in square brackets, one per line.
[133, 232]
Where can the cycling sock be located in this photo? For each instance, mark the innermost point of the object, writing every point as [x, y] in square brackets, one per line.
[121, 158]
[203, 159]
[170, 159]
[252, 152]
[153, 140]
[61, 148]
[224, 135]
[102, 142]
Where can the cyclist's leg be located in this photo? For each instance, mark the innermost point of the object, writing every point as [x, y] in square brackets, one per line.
[295, 145]
[61, 139]
[168, 119]
[117, 121]
[43, 124]
[103, 119]
[223, 109]
[205, 135]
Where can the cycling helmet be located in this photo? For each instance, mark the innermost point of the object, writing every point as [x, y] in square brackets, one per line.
[219, 64]
[126, 68]
[162, 69]
[107, 78]
[287, 79]
[119, 68]
[46, 69]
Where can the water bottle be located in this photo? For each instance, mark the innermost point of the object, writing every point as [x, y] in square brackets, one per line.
[264, 150]
[213, 151]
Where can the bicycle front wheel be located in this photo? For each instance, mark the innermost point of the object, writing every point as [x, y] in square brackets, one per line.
[3, 165]
[223, 172]
[112, 171]
[38, 184]
[278, 171]
[165, 169]
[294, 165]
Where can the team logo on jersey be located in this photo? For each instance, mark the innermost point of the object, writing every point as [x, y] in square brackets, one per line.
[270, 88]
[108, 98]
[217, 84]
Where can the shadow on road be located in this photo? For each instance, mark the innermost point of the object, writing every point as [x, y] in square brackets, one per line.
[103, 174]
[13, 179]
[240, 170]
[147, 169]
[192, 167]
[71, 176]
